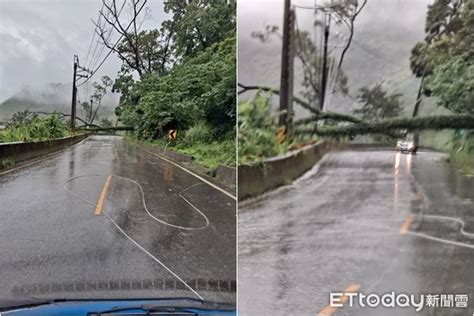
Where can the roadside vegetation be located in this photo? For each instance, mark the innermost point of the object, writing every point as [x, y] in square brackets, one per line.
[257, 131]
[445, 63]
[462, 153]
[28, 127]
[189, 86]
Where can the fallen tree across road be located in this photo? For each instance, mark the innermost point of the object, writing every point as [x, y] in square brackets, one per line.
[383, 127]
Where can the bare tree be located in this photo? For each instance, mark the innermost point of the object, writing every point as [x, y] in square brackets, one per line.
[347, 12]
[129, 46]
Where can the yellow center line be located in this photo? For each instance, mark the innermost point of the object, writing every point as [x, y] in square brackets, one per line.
[103, 194]
[406, 224]
[329, 310]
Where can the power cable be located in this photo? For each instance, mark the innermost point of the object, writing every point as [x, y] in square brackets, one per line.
[109, 35]
[92, 40]
[116, 43]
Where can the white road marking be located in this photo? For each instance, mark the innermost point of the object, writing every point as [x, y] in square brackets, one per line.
[190, 172]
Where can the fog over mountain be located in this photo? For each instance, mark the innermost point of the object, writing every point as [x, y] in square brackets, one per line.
[49, 98]
[385, 32]
[38, 39]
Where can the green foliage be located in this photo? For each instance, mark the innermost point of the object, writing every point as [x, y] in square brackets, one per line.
[453, 84]
[152, 50]
[257, 131]
[186, 81]
[446, 57]
[377, 104]
[210, 154]
[200, 89]
[6, 163]
[462, 153]
[33, 128]
[197, 25]
[199, 133]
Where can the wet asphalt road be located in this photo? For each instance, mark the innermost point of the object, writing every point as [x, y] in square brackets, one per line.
[376, 221]
[54, 245]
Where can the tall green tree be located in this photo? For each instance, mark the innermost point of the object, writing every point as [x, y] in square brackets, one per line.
[378, 104]
[445, 59]
[198, 24]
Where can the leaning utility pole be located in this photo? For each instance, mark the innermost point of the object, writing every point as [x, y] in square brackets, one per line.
[327, 21]
[74, 96]
[287, 58]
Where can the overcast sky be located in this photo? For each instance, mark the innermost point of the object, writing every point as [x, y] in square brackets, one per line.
[385, 32]
[38, 39]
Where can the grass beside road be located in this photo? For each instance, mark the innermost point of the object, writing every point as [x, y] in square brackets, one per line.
[208, 155]
[32, 128]
[6, 163]
[462, 160]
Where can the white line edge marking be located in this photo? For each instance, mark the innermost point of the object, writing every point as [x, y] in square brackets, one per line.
[190, 172]
[151, 256]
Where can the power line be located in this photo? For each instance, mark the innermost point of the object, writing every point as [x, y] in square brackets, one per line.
[116, 43]
[98, 40]
[109, 35]
[92, 40]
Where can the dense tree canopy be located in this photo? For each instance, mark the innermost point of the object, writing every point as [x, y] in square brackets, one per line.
[188, 75]
[446, 57]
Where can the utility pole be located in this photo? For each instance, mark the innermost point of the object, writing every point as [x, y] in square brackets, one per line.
[74, 91]
[74, 96]
[287, 60]
[327, 22]
[90, 115]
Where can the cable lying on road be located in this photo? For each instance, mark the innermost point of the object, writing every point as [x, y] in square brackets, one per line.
[445, 241]
[153, 257]
[142, 193]
[148, 253]
[457, 220]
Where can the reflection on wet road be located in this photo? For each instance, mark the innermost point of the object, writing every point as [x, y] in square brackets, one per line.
[376, 221]
[104, 219]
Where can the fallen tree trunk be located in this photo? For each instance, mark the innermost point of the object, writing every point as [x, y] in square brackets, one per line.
[105, 129]
[419, 123]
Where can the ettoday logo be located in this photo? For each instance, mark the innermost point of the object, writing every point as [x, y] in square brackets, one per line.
[392, 300]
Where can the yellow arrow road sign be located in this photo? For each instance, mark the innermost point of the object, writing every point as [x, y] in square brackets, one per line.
[172, 134]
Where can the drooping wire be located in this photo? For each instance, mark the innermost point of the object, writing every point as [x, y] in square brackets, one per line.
[92, 40]
[116, 43]
[109, 35]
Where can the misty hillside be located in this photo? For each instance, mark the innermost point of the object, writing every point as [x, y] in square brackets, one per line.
[53, 97]
[385, 32]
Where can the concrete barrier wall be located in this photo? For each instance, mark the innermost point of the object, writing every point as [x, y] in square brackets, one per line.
[226, 175]
[21, 151]
[274, 172]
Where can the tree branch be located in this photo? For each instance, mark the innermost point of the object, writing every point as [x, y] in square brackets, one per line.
[301, 102]
[351, 35]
